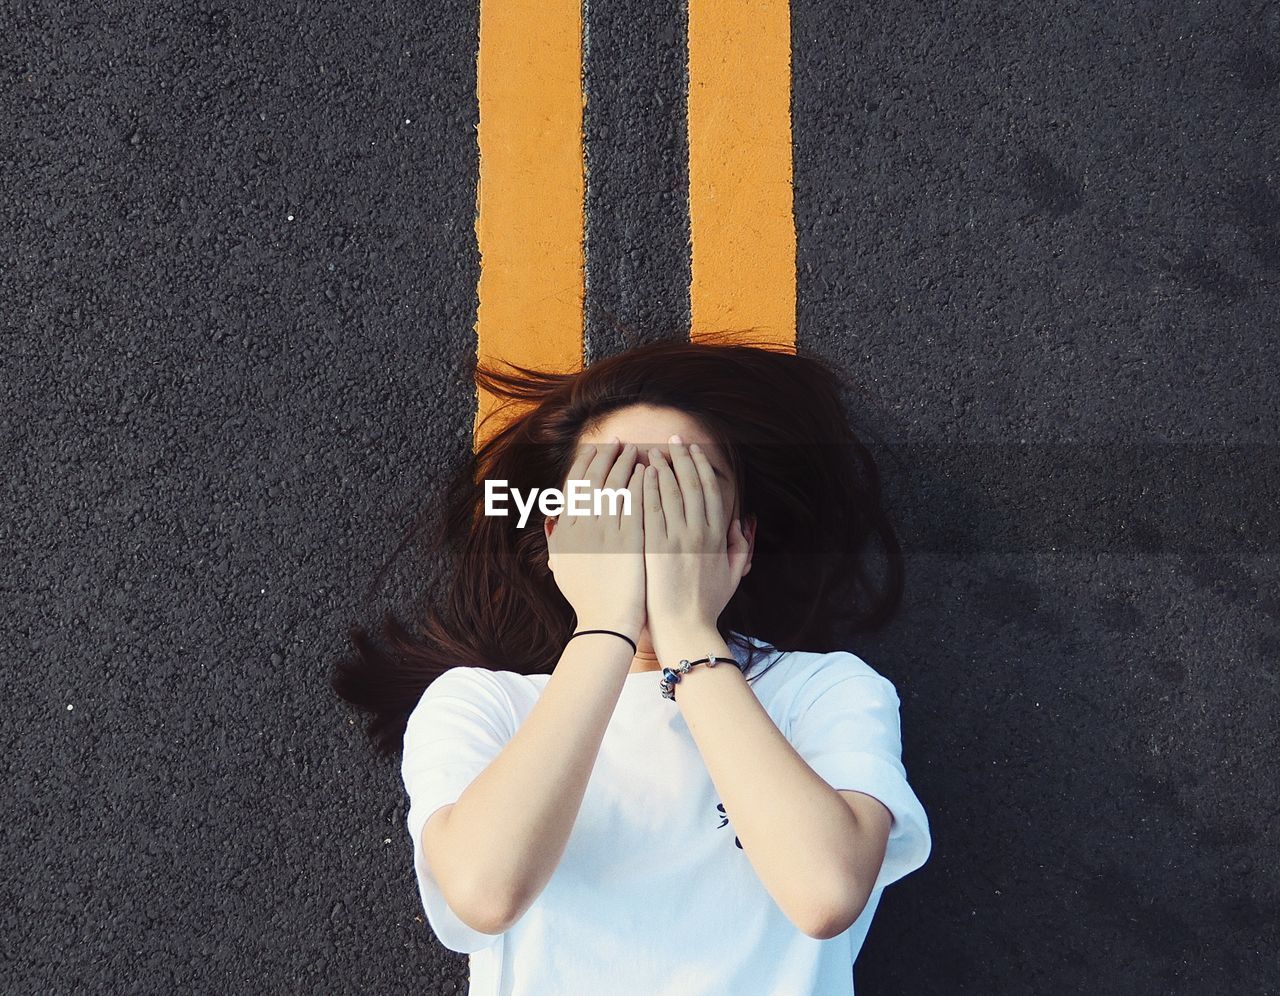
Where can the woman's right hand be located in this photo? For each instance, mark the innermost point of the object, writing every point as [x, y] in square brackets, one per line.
[598, 560]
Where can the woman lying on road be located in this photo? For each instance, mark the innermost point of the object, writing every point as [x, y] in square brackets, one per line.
[637, 761]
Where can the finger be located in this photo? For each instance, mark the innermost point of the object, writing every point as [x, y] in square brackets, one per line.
[690, 485]
[605, 454]
[634, 520]
[713, 503]
[600, 460]
[655, 521]
[669, 489]
[582, 457]
[620, 473]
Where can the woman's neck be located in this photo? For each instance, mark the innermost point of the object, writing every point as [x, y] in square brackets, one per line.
[645, 659]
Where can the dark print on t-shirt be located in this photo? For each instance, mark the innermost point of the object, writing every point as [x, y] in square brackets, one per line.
[725, 818]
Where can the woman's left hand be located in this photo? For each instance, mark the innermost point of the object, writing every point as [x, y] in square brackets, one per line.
[694, 557]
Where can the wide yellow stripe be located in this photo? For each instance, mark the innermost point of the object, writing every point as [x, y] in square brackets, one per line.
[529, 220]
[740, 180]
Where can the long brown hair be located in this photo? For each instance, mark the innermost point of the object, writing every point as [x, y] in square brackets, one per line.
[811, 483]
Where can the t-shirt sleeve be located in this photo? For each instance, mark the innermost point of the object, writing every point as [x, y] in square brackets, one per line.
[846, 726]
[458, 726]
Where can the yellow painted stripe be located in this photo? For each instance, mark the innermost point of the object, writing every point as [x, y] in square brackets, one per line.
[529, 220]
[740, 180]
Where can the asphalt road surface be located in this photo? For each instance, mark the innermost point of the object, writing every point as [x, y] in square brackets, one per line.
[237, 299]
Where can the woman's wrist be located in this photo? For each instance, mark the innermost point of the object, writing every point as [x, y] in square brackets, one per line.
[628, 628]
[689, 641]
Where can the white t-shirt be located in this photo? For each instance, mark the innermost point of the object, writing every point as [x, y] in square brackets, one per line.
[653, 895]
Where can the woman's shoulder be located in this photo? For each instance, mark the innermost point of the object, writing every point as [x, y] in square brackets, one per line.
[479, 686]
[463, 676]
[794, 663]
[492, 687]
[788, 673]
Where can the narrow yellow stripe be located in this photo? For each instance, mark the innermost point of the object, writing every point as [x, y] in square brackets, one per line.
[529, 220]
[740, 180]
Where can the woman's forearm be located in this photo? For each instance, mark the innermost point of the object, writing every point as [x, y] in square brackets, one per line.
[494, 850]
[808, 848]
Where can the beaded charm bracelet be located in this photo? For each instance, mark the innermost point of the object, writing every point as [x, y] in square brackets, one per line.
[671, 676]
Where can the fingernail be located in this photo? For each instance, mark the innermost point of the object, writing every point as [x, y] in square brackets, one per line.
[676, 439]
[695, 448]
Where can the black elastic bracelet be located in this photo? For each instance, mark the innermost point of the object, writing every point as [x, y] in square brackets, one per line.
[584, 632]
